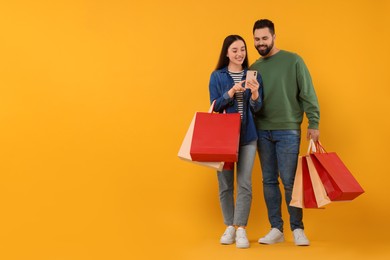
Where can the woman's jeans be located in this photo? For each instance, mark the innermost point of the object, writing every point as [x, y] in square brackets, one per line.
[237, 214]
[278, 153]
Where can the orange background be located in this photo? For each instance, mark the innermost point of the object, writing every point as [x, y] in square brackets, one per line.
[95, 99]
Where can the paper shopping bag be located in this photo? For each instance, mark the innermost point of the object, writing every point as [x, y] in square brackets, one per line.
[308, 191]
[337, 179]
[309, 198]
[216, 137]
[330, 186]
[297, 192]
[184, 152]
[321, 197]
[229, 166]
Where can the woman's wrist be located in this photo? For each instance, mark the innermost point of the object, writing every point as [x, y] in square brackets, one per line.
[255, 96]
[231, 93]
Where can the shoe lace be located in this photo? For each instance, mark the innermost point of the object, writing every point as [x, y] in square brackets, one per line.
[299, 234]
[241, 234]
[228, 233]
[269, 235]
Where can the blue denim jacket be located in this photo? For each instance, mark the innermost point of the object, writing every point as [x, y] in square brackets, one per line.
[220, 83]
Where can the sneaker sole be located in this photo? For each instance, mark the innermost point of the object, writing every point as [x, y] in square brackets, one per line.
[242, 246]
[227, 242]
[271, 242]
[302, 244]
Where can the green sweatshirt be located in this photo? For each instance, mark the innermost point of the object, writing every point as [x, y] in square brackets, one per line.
[288, 92]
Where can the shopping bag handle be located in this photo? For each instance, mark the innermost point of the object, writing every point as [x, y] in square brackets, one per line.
[320, 148]
[315, 147]
[211, 109]
[312, 147]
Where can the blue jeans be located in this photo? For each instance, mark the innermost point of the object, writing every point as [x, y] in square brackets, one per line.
[278, 153]
[237, 214]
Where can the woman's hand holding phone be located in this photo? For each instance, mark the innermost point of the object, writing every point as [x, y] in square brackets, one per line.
[252, 83]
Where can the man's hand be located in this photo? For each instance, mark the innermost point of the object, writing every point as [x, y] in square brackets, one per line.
[313, 134]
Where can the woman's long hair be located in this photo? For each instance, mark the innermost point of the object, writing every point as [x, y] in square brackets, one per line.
[223, 59]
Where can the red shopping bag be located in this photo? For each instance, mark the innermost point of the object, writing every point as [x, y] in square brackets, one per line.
[184, 152]
[216, 137]
[309, 198]
[338, 181]
[320, 194]
[229, 166]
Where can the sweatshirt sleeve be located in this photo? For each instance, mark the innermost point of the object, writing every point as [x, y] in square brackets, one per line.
[307, 95]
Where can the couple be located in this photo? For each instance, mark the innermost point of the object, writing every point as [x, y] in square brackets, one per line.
[271, 109]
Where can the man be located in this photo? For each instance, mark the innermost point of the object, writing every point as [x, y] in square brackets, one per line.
[288, 93]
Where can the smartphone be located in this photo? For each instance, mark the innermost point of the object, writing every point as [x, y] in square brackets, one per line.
[251, 74]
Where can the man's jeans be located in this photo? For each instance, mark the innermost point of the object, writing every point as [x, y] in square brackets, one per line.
[278, 153]
[238, 214]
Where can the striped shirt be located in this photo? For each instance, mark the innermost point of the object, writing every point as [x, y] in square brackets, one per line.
[237, 77]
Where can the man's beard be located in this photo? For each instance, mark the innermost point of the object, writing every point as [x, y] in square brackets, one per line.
[264, 52]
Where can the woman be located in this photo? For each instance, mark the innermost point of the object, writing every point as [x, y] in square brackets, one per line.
[233, 95]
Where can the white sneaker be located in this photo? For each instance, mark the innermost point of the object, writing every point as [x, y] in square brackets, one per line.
[300, 237]
[241, 239]
[229, 236]
[274, 236]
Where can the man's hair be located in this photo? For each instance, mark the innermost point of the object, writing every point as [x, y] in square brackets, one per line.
[264, 23]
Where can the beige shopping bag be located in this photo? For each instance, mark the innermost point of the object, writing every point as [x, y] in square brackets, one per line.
[297, 193]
